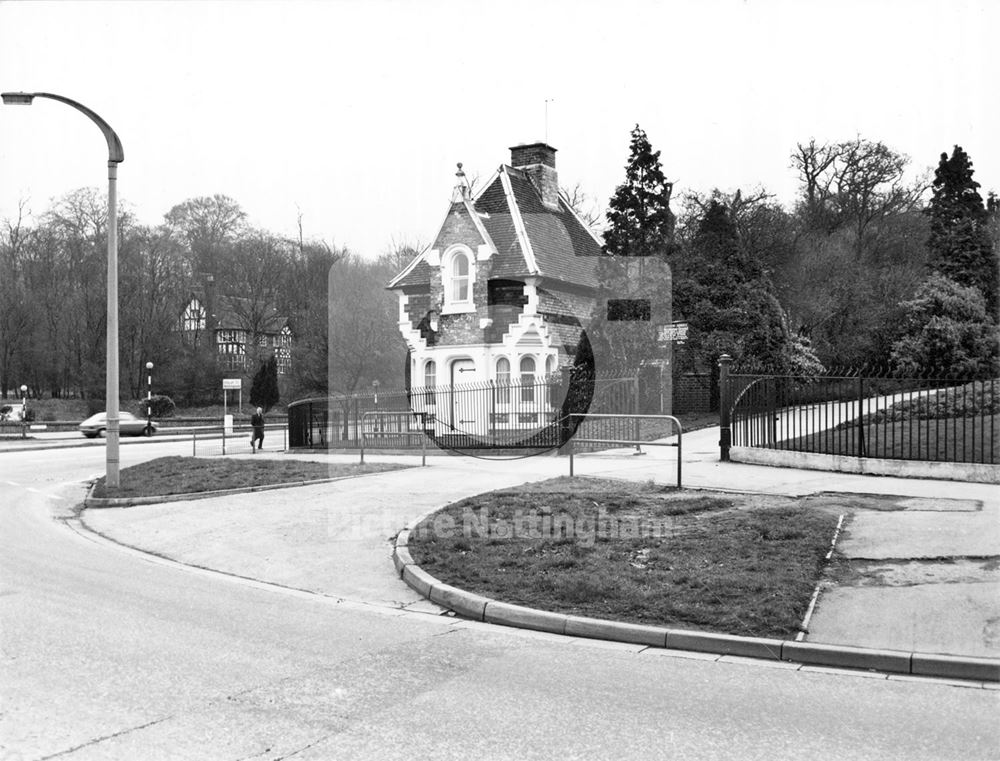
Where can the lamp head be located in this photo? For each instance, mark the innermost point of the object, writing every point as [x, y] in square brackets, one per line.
[149, 365]
[17, 98]
[24, 389]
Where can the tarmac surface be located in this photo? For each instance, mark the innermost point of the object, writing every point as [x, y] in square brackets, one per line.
[922, 569]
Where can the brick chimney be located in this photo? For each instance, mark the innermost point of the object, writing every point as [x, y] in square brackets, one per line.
[538, 161]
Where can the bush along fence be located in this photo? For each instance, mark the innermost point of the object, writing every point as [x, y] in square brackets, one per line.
[863, 414]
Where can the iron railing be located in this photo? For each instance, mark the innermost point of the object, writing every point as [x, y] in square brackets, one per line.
[487, 415]
[865, 415]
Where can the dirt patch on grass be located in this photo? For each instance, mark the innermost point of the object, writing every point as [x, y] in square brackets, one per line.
[190, 475]
[740, 564]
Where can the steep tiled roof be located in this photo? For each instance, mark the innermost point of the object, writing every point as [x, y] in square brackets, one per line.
[417, 274]
[564, 250]
[555, 243]
[510, 260]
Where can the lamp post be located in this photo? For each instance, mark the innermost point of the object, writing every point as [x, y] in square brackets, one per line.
[149, 398]
[115, 156]
[377, 423]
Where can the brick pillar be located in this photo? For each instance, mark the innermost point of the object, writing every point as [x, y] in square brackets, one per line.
[725, 432]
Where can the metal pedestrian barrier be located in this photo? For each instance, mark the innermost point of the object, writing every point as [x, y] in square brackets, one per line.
[218, 440]
[389, 428]
[628, 442]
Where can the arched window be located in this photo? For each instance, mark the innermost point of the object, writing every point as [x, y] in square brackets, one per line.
[527, 379]
[430, 379]
[460, 278]
[550, 366]
[459, 274]
[503, 380]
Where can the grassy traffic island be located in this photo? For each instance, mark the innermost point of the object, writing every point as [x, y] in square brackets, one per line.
[639, 553]
[166, 476]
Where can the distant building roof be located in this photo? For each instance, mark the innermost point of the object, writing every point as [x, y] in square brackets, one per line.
[238, 312]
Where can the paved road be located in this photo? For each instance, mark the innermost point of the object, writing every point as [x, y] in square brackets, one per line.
[108, 654]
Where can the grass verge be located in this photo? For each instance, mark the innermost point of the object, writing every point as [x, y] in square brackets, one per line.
[640, 553]
[187, 475]
[972, 439]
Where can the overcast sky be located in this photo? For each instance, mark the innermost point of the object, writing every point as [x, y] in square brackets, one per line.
[354, 113]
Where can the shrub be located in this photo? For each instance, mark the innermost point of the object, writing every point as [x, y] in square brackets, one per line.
[161, 406]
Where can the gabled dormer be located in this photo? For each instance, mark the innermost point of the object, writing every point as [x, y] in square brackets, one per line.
[510, 268]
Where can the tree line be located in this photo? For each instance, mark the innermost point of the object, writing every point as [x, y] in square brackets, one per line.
[870, 267]
[53, 302]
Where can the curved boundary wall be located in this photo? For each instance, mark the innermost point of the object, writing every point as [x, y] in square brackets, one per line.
[949, 471]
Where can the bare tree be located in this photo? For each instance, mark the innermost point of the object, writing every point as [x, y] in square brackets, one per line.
[859, 247]
[207, 225]
[364, 339]
[400, 253]
[585, 205]
[856, 183]
[151, 285]
[15, 306]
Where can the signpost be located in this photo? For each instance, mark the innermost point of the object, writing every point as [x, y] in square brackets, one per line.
[235, 384]
[675, 331]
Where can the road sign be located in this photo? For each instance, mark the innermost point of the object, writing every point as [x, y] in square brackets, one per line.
[232, 383]
[677, 331]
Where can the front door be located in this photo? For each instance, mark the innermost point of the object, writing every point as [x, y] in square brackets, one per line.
[463, 397]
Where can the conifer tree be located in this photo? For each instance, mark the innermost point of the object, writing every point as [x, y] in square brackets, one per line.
[639, 216]
[264, 390]
[633, 274]
[959, 243]
[724, 292]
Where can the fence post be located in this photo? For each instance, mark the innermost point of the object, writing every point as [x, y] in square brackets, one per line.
[680, 442]
[725, 431]
[861, 417]
[635, 410]
[194, 443]
[361, 431]
[491, 423]
[771, 434]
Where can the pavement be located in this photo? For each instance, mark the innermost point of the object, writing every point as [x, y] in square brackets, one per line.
[922, 567]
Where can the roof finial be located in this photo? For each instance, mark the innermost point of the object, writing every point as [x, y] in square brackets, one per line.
[462, 189]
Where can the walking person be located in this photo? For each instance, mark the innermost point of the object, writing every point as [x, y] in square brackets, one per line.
[257, 421]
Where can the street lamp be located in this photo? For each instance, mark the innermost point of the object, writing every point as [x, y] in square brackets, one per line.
[377, 422]
[115, 156]
[149, 398]
[24, 403]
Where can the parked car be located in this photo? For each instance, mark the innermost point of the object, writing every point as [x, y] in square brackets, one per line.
[128, 425]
